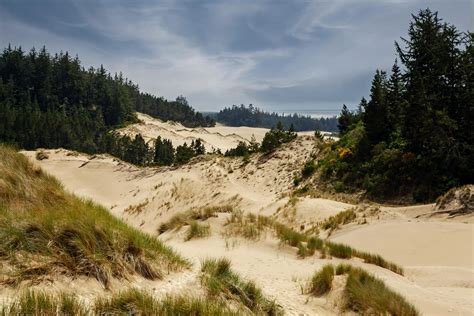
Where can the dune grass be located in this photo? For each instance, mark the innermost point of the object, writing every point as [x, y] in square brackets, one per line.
[186, 218]
[251, 226]
[366, 294]
[45, 230]
[128, 302]
[197, 230]
[363, 293]
[136, 302]
[333, 222]
[38, 303]
[321, 282]
[220, 281]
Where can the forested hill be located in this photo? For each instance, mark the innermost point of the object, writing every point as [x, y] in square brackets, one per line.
[255, 117]
[413, 136]
[52, 101]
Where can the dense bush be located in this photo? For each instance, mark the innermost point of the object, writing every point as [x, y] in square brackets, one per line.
[413, 136]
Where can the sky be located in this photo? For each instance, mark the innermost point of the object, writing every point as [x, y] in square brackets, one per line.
[282, 55]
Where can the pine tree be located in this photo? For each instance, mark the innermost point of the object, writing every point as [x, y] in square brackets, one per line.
[376, 115]
[395, 97]
[345, 120]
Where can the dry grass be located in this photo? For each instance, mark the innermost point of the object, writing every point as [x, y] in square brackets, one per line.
[45, 230]
[186, 218]
[251, 227]
[332, 223]
[247, 226]
[221, 282]
[197, 230]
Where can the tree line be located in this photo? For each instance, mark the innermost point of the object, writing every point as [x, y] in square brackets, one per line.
[160, 152]
[414, 134]
[255, 117]
[273, 139]
[52, 101]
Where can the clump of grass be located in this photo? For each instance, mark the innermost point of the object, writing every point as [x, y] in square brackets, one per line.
[378, 260]
[45, 230]
[343, 268]
[302, 250]
[130, 302]
[313, 244]
[136, 302]
[197, 230]
[185, 218]
[366, 294]
[41, 155]
[339, 250]
[332, 223]
[308, 168]
[288, 235]
[249, 226]
[220, 281]
[41, 303]
[136, 209]
[363, 293]
[321, 282]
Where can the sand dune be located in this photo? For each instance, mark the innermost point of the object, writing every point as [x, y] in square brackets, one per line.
[218, 137]
[437, 254]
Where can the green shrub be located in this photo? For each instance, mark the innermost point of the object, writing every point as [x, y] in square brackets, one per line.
[308, 168]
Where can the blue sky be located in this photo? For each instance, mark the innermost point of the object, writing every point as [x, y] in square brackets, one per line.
[281, 55]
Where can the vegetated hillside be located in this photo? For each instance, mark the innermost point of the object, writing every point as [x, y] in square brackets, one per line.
[47, 232]
[413, 137]
[255, 117]
[52, 101]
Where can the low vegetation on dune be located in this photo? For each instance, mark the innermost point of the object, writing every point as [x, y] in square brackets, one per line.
[252, 227]
[45, 230]
[249, 226]
[197, 230]
[136, 302]
[221, 282]
[321, 282]
[333, 222]
[186, 218]
[363, 293]
[128, 302]
[40, 303]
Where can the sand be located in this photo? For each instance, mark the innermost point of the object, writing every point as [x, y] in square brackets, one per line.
[219, 137]
[437, 254]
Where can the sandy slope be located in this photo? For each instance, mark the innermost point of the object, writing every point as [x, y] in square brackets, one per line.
[437, 254]
[218, 137]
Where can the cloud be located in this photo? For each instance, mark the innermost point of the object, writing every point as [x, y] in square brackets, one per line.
[277, 54]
